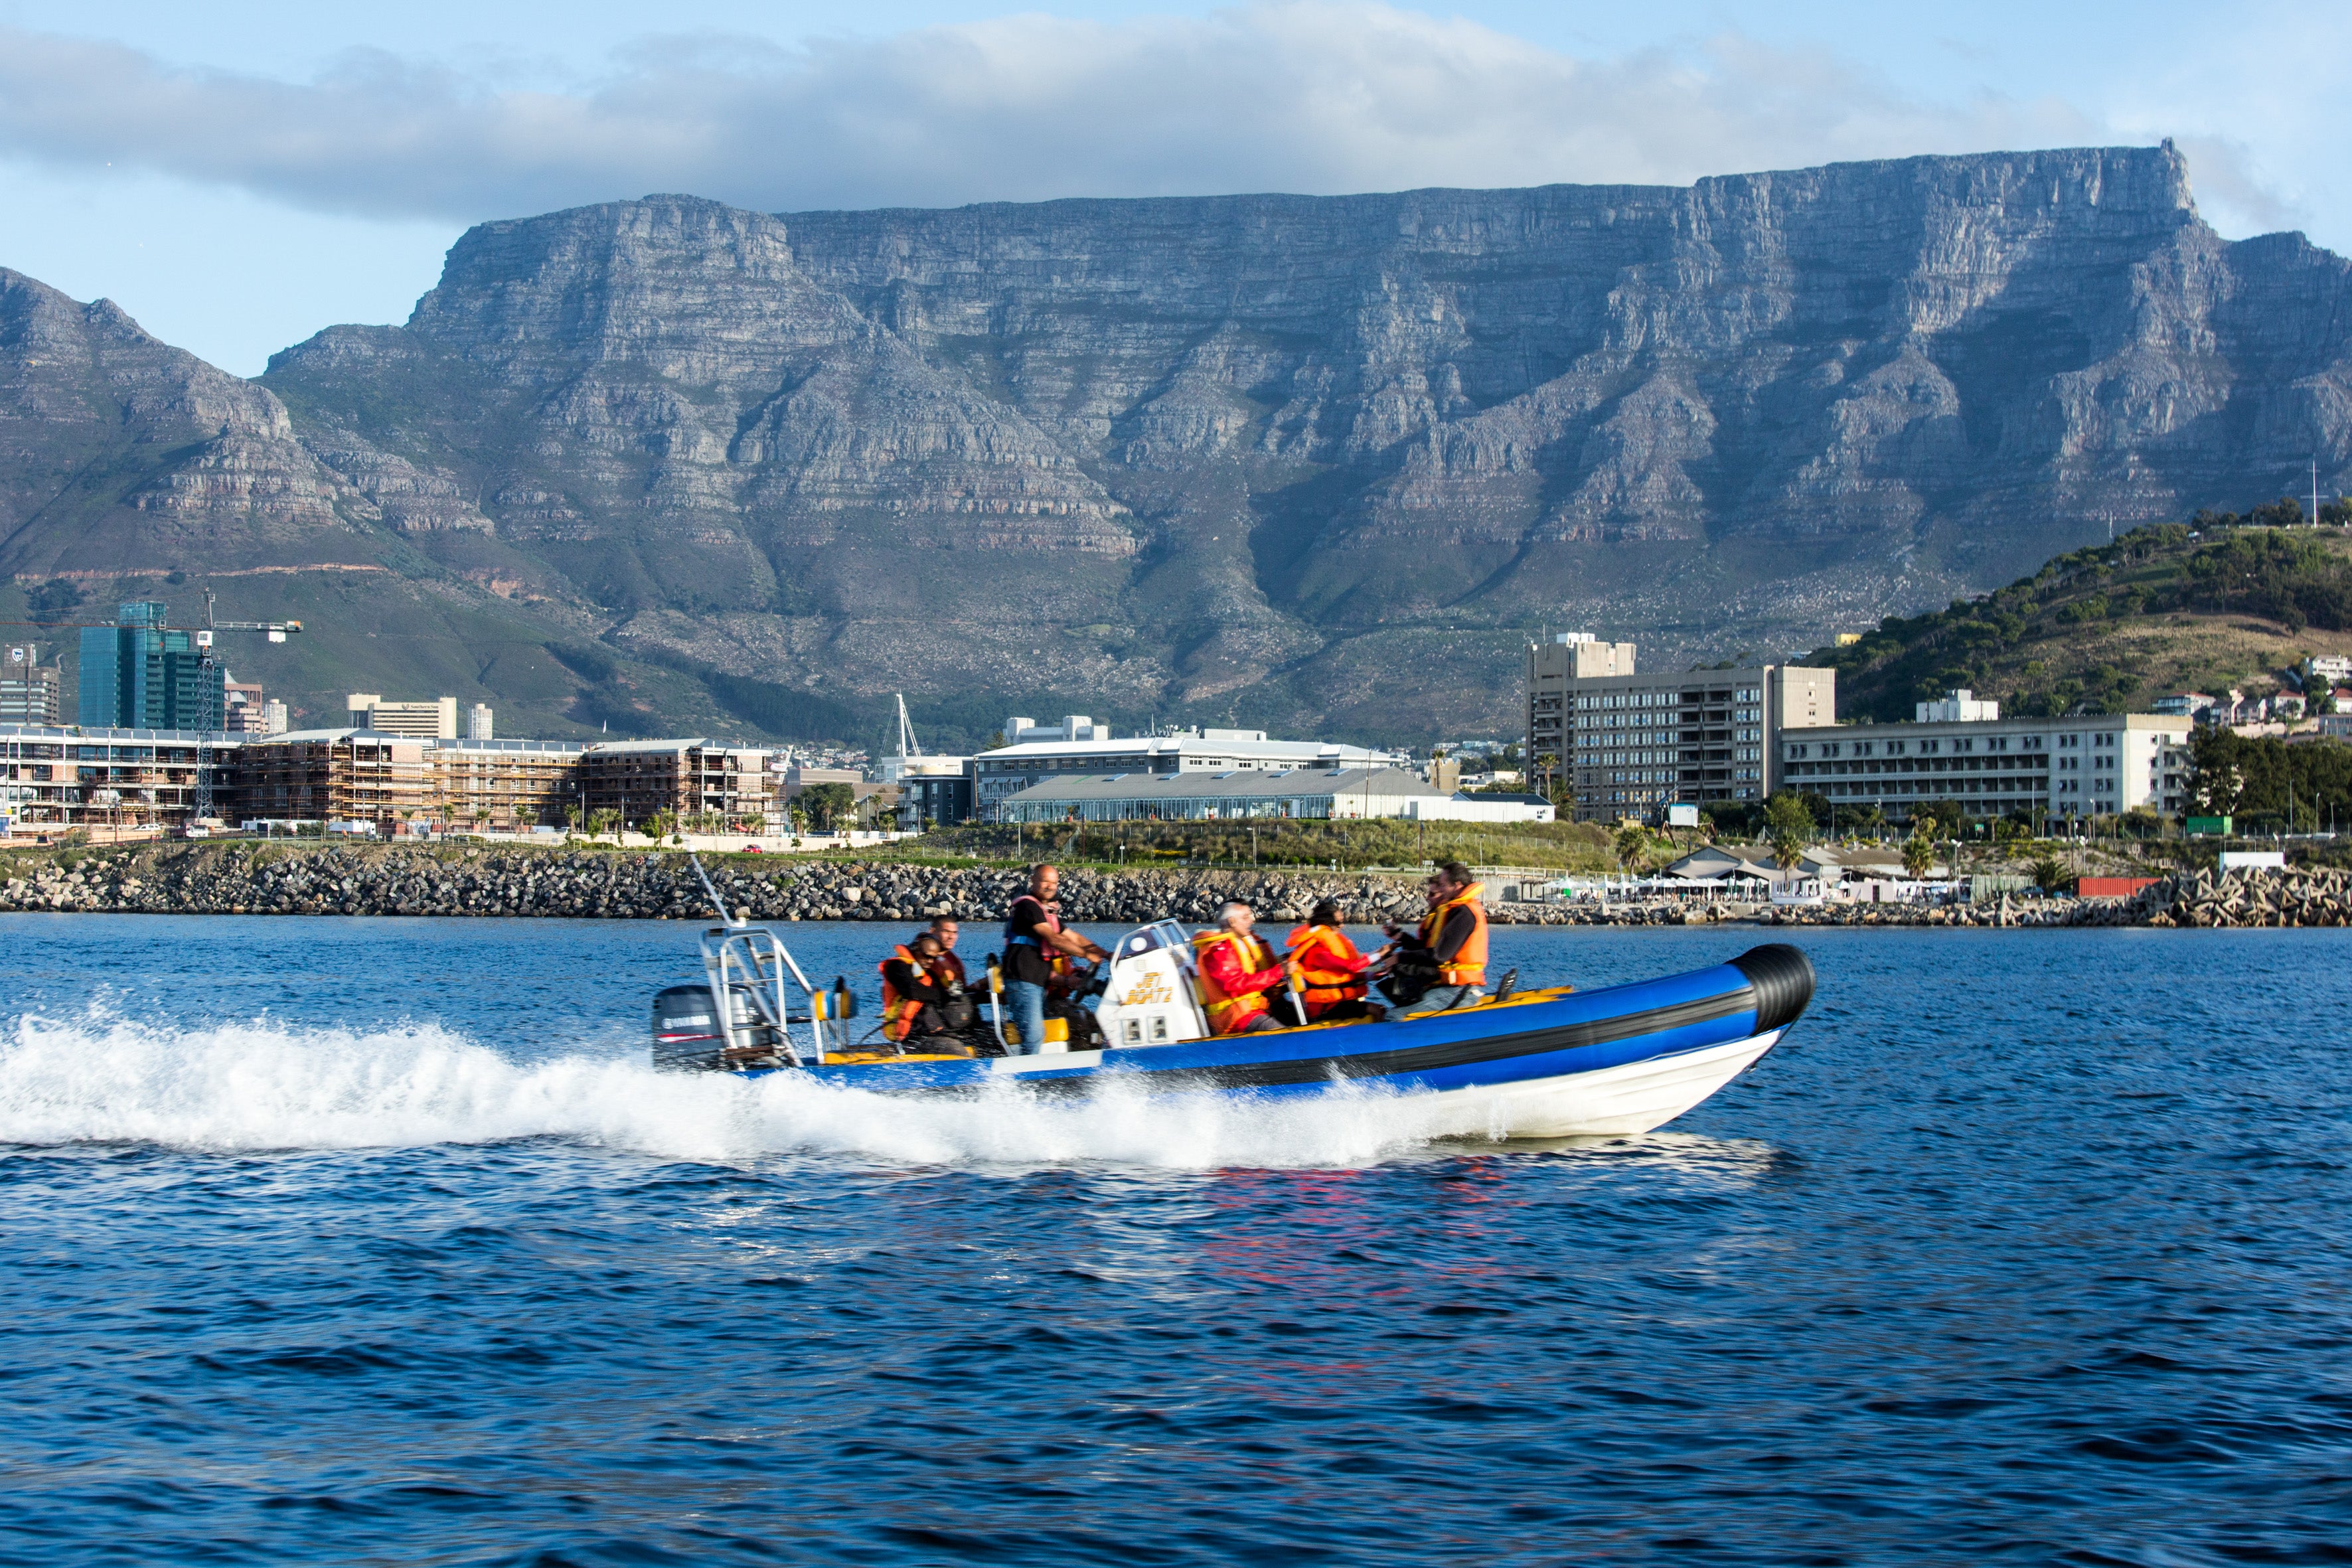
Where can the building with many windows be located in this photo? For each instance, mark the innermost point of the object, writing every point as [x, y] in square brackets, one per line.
[999, 775]
[28, 689]
[691, 778]
[142, 674]
[1241, 794]
[507, 786]
[53, 780]
[2090, 765]
[1628, 744]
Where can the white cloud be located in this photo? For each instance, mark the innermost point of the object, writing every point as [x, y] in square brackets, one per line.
[1318, 96]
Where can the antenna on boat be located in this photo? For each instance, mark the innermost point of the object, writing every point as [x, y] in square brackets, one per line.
[717, 902]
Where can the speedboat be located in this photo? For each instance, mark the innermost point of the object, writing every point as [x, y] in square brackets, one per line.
[1541, 1063]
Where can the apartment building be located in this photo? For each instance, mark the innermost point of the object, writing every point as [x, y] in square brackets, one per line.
[2093, 765]
[328, 776]
[53, 779]
[434, 721]
[507, 786]
[637, 778]
[368, 776]
[28, 690]
[1628, 744]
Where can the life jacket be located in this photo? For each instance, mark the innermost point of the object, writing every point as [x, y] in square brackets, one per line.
[897, 1012]
[1326, 983]
[1230, 1014]
[1469, 965]
[1057, 962]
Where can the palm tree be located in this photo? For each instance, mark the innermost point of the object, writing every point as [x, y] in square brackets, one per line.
[1632, 845]
[1918, 854]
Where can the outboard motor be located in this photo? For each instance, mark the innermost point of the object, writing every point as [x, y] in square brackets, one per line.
[686, 1037]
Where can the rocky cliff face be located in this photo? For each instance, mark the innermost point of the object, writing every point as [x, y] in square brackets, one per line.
[121, 453]
[1312, 461]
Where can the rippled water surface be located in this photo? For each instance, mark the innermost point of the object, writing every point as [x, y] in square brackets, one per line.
[375, 1241]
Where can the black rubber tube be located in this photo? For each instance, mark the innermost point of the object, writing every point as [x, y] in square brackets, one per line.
[1782, 978]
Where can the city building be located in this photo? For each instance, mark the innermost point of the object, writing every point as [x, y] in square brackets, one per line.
[140, 673]
[1628, 744]
[344, 778]
[507, 786]
[1236, 794]
[434, 721]
[2090, 765]
[242, 711]
[999, 775]
[690, 777]
[800, 777]
[53, 780]
[479, 722]
[1959, 707]
[1020, 731]
[933, 790]
[28, 689]
[274, 720]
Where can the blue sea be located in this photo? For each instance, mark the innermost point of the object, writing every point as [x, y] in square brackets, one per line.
[376, 1241]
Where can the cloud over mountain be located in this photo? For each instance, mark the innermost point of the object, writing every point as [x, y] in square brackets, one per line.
[1315, 96]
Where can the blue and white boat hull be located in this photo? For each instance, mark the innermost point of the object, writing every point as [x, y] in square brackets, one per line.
[1544, 1064]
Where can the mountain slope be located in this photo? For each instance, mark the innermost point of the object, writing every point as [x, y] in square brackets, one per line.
[1313, 462]
[2110, 628]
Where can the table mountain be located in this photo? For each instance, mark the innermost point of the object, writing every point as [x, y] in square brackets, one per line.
[1315, 460]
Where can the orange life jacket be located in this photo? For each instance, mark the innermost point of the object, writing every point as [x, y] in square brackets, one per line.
[1469, 965]
[1326, 983]
[1231, 1015]
[897, 1012]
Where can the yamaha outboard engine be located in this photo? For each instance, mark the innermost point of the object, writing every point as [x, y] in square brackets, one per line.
[686, 1037]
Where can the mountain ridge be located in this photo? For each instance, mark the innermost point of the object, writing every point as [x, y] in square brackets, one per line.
[1314, 462]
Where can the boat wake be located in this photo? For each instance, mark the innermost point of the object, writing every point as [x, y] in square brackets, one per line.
[104, 1078]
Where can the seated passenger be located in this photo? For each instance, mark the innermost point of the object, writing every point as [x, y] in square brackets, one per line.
[1244, 986]
[917, 990]
[1330, 971]
[1445, 963]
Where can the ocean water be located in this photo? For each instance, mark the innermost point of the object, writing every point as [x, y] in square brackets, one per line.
[376, 1242]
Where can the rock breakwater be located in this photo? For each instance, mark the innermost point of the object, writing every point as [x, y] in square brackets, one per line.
[304, 879]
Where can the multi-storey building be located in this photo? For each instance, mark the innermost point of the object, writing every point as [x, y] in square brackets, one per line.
[434, 721]
[56, 779]
[2092, 766]
[142, 674]
[1628, 744]
[637, 778]
[329, 775]
[507, 786]
[28, 690]
[999, 775]
[367, 776]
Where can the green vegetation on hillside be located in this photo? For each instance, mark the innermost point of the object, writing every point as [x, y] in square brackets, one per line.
[2110, 628]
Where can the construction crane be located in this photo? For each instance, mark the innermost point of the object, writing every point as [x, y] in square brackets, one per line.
[278, 631]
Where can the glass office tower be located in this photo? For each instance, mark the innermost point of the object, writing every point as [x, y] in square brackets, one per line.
[139, 673]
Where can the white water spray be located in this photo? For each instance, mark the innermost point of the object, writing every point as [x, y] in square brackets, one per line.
[269, 1086]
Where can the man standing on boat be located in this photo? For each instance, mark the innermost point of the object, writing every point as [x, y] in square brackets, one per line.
[1245, 987]
[1449, 952]
[1038, 949]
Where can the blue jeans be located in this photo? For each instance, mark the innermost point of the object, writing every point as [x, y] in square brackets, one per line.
[1026, 1001]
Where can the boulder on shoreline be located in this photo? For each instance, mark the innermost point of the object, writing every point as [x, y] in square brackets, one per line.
[246, 877]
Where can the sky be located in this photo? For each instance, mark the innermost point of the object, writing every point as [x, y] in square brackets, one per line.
[239, 175]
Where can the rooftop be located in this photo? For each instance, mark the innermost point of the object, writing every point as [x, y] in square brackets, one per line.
[1255, 783]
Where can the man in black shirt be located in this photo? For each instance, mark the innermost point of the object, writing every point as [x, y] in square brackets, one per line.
[1034, 939]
